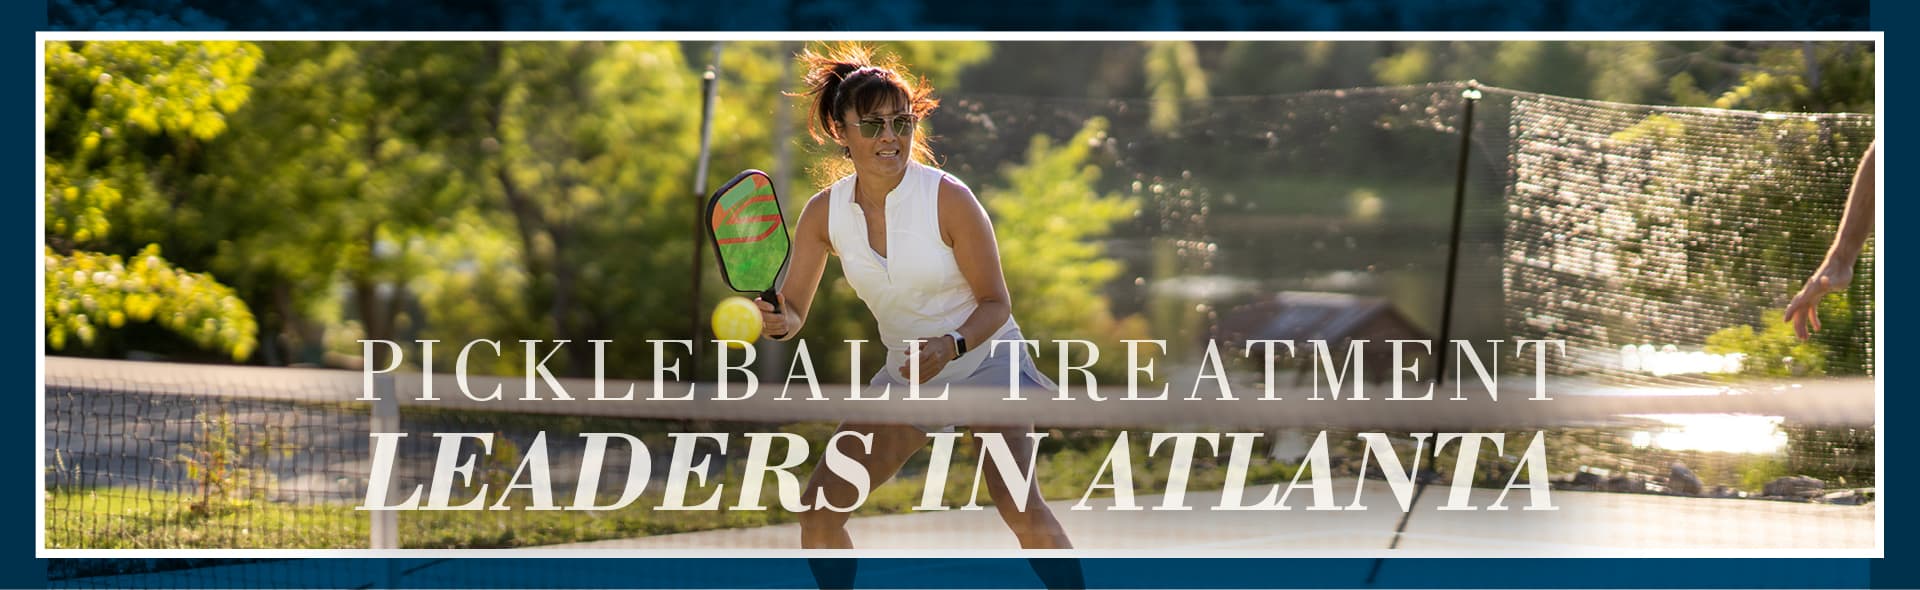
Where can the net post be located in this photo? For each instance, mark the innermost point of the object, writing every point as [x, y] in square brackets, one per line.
[1469, 95]
[769, 365]
[384, 531]
[709, 83]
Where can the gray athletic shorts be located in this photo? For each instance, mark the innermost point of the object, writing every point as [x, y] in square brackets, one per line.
[992, 373]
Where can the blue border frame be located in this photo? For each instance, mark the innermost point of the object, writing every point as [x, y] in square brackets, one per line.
[1895, 407]
[20, 569]
[1103, 573]
[989, 15]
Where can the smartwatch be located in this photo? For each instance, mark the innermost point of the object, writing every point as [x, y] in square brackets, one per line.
[959, 343]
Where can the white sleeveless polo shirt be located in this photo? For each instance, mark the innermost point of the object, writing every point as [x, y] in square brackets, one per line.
[916, 291]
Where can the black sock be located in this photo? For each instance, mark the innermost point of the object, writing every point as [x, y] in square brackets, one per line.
[1058, 573]
[832, 574]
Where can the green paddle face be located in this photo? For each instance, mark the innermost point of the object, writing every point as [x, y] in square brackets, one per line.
[749, 233]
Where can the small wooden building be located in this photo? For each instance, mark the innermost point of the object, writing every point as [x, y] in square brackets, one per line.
[1336, 318]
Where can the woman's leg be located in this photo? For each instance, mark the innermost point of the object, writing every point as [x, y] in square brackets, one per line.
[893, 444]
[1035, 527]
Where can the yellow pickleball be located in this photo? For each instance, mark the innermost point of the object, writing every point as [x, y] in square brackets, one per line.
[736, 318]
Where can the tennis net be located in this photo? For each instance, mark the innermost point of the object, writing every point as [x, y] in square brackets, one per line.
[154, 455]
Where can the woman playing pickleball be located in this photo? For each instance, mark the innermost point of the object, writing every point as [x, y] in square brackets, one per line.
[919, 250]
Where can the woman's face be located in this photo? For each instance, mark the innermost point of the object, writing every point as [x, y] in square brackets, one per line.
[880, 141]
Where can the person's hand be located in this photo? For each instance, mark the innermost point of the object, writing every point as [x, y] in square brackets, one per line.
[774, 325]
[934, 355]
[1804, 310]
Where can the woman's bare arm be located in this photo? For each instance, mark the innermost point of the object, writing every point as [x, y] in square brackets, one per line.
[810, 247]
[1836, 271]
[964, 226]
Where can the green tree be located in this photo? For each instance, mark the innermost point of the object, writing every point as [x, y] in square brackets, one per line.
[1781, 76]
[1537, 66]
[1048, 218]
[587, 145]
[940, 62]
[1772, 351]
[354, 157]
[1264, 67]
[127, 126]
[1175, 80]
[1624, 71]
[88, 291]
[1073, 69]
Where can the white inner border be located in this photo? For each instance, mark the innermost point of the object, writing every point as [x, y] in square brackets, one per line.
[1878, 38]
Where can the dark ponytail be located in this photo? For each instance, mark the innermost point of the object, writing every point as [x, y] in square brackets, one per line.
[850, 78]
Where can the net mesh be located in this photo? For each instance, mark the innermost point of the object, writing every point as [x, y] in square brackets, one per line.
[131, 469]
[1644, 226]
[1240, 198]
[113, 483]
[1646, 237]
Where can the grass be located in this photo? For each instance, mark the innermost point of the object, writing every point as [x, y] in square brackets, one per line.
[125, 518]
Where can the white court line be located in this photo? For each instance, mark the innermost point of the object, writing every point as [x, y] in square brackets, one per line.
[1355, 531]
[1473, 540]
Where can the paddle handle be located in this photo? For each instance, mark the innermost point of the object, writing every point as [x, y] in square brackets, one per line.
[771, 298]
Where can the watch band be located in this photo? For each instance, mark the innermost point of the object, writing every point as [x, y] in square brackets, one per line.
[959, 343]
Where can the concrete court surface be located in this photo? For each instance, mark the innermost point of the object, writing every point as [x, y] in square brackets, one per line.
[1586, 524]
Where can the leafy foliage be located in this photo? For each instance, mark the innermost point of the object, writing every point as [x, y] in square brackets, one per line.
[456, 190]
[125, 122]
[122, 119]
[89, 292]
[1772, 351]
[1048, 219]
[1175, 78]
[226, 461]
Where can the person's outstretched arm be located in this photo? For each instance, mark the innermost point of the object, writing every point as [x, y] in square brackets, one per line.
[1837, 270]
[810, 248]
